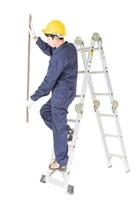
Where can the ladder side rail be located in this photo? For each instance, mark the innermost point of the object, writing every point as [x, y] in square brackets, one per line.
[90, 82]
[124, 153]
[105, 68]
[72, 150]
[79, 116]
[109, 85]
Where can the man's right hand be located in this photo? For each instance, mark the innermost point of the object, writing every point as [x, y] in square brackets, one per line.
[32, 32]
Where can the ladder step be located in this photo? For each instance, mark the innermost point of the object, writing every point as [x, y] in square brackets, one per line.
[96, 72]
[101, 94]
[86, 49]
[55, 182]
[81, 72]
[92, 72]
[72, 120]
[106, 115]
[78, 96]
[111, 135]
[116, 155]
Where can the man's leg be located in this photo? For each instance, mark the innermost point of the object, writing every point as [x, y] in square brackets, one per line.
[59, 127]
[46, 115]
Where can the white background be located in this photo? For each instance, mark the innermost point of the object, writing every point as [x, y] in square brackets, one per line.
[25, 149]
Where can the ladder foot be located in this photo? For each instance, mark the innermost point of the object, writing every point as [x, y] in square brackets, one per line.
[70, 189]
[43, 179]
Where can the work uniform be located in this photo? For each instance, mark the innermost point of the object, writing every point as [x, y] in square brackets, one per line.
[61, 79]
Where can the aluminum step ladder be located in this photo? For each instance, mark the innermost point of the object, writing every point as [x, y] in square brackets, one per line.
[87, 54]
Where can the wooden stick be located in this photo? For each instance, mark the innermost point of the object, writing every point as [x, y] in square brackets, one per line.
[28, 68]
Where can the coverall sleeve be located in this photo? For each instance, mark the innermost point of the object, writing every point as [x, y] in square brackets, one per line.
[44, 47]
[55, 69]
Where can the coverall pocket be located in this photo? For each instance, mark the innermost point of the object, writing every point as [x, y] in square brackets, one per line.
[62, 95]
[59, 96]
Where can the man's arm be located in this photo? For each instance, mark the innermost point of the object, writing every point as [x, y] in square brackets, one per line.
[44, 47]
[55, 69]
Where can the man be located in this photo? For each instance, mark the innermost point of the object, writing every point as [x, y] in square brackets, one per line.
[61, 79]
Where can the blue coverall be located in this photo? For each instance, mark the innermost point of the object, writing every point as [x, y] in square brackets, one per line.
[61, 79]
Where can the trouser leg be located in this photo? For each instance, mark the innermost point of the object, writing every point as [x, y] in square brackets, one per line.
[46, 114]
[60, 129]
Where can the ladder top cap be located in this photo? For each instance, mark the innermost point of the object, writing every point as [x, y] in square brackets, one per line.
[96, 37]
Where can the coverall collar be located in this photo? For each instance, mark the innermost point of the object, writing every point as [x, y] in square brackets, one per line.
[61, 46]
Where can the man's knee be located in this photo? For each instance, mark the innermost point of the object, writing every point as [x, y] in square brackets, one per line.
[45, 113]
[42, 111]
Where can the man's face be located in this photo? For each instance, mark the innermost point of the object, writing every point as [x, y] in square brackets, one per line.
[51, 42]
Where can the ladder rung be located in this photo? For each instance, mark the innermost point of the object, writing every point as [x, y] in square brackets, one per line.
[111, 135]
[106, 115]
[92, 72]
[101, 94]
[81, 72]
[96, 72]
[72, 120]
[86, 49]
[78, 96]
[116, 155]
[83, 49]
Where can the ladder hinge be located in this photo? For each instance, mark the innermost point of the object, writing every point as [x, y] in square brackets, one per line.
[79, 108]
[79, 41]
[114, 105]
[96, 37]
[96, 104]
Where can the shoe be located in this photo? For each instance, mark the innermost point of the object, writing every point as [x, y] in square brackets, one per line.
[70, 134]
[56, 166]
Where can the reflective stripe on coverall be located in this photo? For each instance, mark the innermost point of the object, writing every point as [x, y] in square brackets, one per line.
[61, 79]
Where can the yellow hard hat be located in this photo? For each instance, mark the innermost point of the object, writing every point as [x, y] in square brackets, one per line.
[55, 27]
